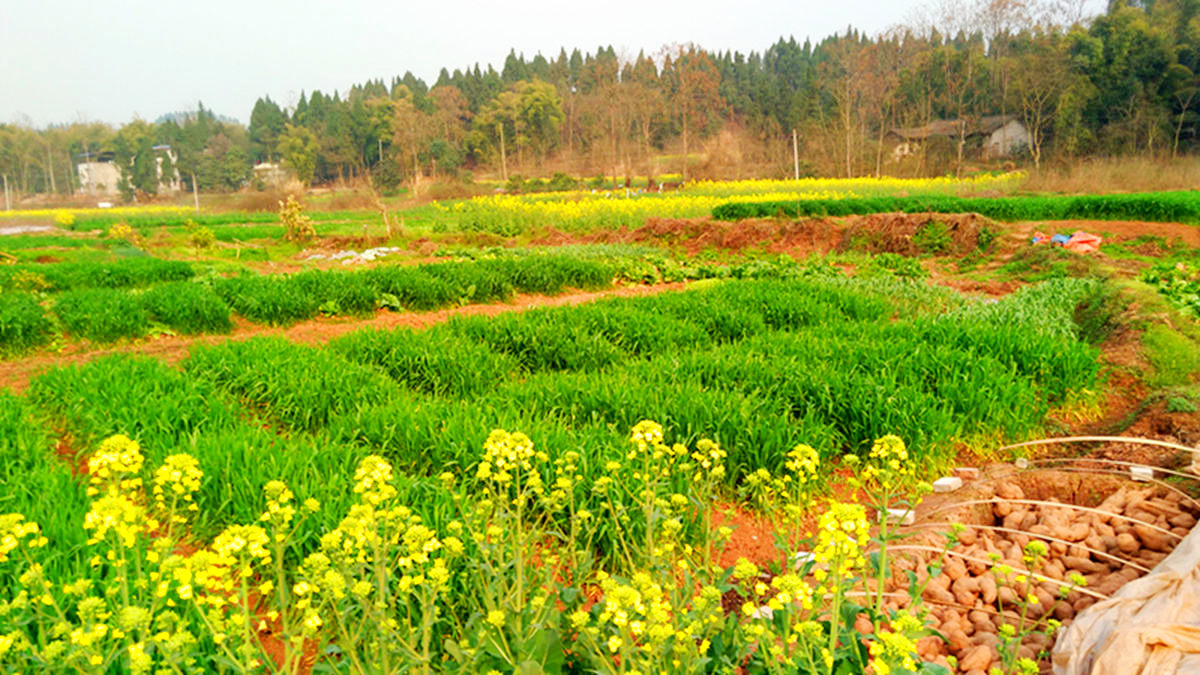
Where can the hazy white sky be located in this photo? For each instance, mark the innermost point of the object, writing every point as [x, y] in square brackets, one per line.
[69, 60]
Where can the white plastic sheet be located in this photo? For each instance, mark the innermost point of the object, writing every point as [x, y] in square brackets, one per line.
[1149, 627]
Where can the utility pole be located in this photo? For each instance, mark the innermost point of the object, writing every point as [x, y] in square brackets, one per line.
[195, 194]
[7, 205]
[50, 169]
[87, 157]
[503, 159]
[796, 153]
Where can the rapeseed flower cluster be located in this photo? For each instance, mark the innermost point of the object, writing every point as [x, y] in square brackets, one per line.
[638, 624]
[175, 484]
[281, 507]
[566, 477]
[842, 534]
[895, 650]
[804, 462]
[245, 546]
[710, 460]
[117, 513]
[114, 477]
[383, 576]
[504, 454]
[116, 466]
[13, 529]
[581, 210]
[373, 480]
[888, 461]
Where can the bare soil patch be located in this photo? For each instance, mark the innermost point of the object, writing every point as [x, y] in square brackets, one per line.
[894, 232]
[877, 233]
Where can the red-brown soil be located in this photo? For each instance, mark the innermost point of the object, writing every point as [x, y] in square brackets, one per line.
[883, 232]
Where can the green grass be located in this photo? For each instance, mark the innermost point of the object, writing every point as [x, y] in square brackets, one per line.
[167, 412]
[102, 315]
[124, 273]
[279, 371]
[24, 324]
[268, 299]
[37, 484]
[1175, 358]
[188, 308]
[756, 364]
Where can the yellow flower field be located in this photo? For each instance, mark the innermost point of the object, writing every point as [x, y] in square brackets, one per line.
[583, 210]
[67, 217]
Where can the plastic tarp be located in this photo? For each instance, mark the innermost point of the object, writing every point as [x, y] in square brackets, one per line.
[1150, 626]
[1079, 241]
[1083, 242]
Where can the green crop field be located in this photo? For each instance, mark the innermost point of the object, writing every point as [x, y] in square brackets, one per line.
[737, 373]
[1176, 207]
[528, 489]
[875, 353]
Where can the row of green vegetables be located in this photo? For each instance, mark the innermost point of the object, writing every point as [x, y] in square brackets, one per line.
[1179, 283]
[1178, 207]
[132, 272]
[757, 365]
[107, 314]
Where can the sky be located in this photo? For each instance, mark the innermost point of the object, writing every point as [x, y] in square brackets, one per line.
[83, 60]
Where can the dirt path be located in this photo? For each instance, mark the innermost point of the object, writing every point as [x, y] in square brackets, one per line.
[16, 374]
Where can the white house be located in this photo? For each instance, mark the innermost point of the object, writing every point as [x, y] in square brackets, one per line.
[998, 135]
[1006, 136]
[271, 174]
[173, 183]
[99, 174]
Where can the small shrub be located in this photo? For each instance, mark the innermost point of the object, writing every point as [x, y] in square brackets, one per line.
[986, 237]
[1044, 262]
[297, 226]
[199, 236]
[515, 184]
[560, 182]
[1098, 314]
[337, 292]
[894, 264]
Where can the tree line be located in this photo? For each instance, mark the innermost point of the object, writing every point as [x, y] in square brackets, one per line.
[1121, 83]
